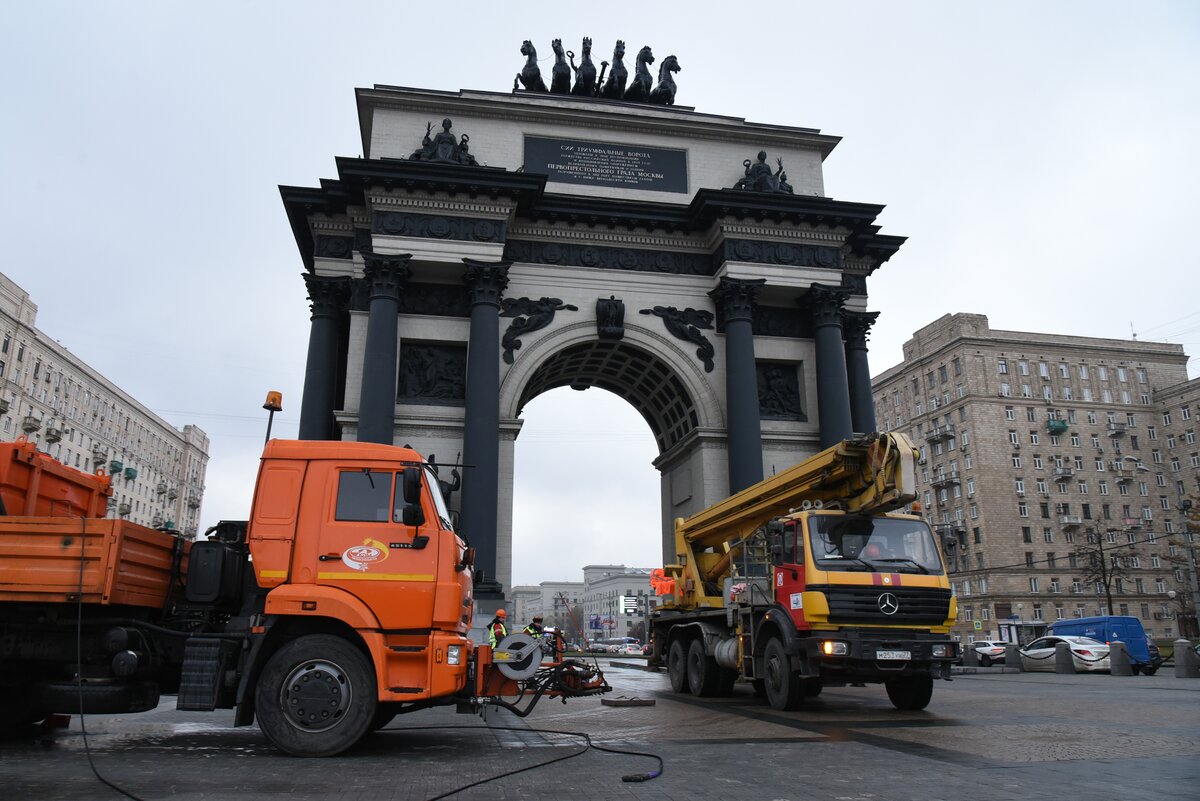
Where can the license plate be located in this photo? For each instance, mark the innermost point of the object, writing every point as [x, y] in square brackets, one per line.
[893, 654]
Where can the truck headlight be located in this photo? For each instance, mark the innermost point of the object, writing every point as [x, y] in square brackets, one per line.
[834, 648]
[454, 655]
[943, 650]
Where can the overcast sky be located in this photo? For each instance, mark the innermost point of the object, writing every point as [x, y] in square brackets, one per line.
[1041, 158]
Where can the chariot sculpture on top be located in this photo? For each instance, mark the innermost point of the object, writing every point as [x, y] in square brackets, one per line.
[641, 89]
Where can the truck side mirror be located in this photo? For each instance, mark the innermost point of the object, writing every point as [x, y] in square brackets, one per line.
[412, 514]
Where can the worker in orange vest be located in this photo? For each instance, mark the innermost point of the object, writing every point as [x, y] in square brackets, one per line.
[497, 630]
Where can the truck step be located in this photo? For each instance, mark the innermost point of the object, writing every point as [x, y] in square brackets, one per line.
[202, 682]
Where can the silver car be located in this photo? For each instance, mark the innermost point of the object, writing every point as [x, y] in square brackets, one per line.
[1089, 655]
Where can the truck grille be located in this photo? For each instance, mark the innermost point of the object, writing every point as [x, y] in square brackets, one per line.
[862, 604]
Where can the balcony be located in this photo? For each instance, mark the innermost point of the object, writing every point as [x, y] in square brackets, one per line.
[939, 433]
[1116, 429]
[1070, 521]
[30, 424]
[1131, 522]
[949, 479]
[1056, 426]
[1064, 473]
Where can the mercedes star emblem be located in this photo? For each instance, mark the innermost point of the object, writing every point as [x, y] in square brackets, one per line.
[889, 604]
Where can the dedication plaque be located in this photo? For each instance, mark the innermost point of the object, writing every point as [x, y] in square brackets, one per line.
[574, 161]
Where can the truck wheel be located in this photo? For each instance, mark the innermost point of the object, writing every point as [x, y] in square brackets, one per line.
[677, 666]
[812, 688]
[910, 692]
[703, 673]
[785, 688]
[316, 696]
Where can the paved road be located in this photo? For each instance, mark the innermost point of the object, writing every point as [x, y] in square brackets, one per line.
[988, 736]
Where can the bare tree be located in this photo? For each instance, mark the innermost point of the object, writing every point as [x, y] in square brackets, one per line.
[1101, 564]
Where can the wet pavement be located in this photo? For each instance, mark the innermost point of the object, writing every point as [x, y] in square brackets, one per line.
[986, 735]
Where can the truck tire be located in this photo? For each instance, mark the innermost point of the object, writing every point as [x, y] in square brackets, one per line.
[316, 696]
[104, 697]
[703, 672]
[677, 666]
[910, 693]
[785, 688]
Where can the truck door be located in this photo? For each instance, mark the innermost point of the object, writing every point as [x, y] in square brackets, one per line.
[367, 550]
[789, 572]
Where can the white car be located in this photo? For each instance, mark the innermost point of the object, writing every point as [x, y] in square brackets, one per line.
[1088, 655]
[988, 652]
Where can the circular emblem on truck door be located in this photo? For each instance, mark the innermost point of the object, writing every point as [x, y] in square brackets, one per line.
[889, 604]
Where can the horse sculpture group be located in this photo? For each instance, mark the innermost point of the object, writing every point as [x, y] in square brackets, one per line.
[587, 84]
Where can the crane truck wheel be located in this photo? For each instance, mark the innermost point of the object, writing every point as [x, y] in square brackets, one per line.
[677, 666]
[703, 672]
[785, 688]
[316, 696]
[910, 692]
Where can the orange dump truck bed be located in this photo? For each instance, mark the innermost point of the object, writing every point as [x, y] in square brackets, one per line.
[123, 563]
[31, 483]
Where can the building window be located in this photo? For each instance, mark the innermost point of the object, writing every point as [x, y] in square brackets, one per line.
[1027, 536]
[1002, 366]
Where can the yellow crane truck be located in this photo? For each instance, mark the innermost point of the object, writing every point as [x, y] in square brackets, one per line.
[812, 577]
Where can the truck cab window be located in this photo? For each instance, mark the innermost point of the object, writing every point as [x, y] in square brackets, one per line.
[439, 502]
[364, 496]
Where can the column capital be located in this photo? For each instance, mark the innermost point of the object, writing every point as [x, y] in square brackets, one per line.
[856, 326]
[486, 281]
[385, 273]
[326, 293]
[825, 303]
[735, 297]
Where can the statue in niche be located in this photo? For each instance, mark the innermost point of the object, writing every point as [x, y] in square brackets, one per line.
[585, 73]
[639, 89]
[560, 74]
[446, 487]
[759, 178]
[664, 93]
[530, 75]
[528, 315]
[614, 87]
[685, 324]
[779, 392]
[610, 318]
[436, 372]
[443, 148]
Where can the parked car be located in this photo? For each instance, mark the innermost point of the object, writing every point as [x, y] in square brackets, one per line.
[989, 652]
[1088, 655]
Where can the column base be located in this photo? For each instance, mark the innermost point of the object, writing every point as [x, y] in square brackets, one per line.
[488, 588]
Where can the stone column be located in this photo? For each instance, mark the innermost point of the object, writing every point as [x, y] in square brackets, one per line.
[735, 298]
[377, 405]
[833, 390]
[862, 408]
[326, 295]
[481, 432]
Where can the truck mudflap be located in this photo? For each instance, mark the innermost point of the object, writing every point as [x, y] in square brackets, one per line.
[877, 656]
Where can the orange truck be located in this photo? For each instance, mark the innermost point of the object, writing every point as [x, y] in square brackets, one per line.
[344, 600]
[814, 577]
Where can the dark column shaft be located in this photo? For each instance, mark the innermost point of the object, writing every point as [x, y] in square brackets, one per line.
[326, 295]
[481, 433]
[833, 391]
[862, 407]
[736, 298]
[377, 403]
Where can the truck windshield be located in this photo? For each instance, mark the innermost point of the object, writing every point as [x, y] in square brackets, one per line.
[431, 478]
[875, 544]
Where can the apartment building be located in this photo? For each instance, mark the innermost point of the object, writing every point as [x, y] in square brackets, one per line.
[1053, 468]
[77, 416]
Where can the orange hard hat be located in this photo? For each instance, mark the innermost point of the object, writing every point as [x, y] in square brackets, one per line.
[501, 613]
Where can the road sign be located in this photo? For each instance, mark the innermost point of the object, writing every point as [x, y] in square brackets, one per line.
[629, 604]
[978, 624]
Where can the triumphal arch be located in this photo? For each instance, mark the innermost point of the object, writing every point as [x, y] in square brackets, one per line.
[490, 246]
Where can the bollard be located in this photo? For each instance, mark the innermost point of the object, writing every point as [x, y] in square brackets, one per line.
[1118, 659]
[1186, 662]
[1063, 661]
[1012, 657]
[970, 655]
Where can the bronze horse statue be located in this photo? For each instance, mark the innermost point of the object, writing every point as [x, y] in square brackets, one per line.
[664, 93]
[614, 87]
[639, 89]
[530, 76]
[560, 75]
[585, 74]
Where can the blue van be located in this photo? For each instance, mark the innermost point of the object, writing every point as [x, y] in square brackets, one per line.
[1143, 653]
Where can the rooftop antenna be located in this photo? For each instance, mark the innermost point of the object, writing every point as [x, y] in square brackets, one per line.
[1131, 331]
